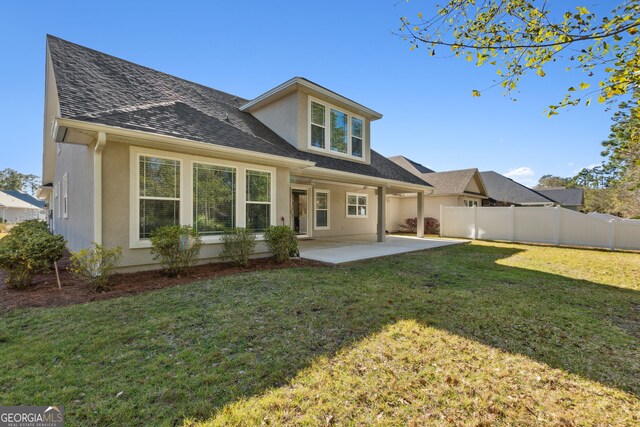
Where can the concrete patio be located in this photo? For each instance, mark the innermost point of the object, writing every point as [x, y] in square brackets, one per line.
[338, 251]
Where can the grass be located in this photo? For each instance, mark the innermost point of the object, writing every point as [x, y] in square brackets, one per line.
[479, 334]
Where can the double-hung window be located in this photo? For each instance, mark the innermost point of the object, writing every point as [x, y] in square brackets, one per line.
[214, 198]
[317, 125]
[159, 194]
[357, 205]
[338, 128]
[258, 200]
[322, 209]
[356, 137]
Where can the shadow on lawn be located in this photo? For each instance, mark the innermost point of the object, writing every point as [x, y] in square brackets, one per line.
[192, 350]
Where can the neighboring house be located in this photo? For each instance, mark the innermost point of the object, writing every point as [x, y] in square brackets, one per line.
[569, 198]
[503, 191]
[16, 206]
[128, 149]
[450, 188]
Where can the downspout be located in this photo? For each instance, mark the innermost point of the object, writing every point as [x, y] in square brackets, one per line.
[97, 187]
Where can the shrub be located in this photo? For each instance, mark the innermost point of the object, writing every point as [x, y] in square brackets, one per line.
[95, 265]
[237, 246]
[282, 241]
[28, 249]
[431, 225]
[176, 248]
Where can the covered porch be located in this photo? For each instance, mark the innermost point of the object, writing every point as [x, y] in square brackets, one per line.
[342, 250]
[351, 207]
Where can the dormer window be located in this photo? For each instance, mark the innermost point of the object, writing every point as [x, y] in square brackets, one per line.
[343, 131]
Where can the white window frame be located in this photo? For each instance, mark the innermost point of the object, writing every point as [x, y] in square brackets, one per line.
[327, 131]
[186, 191]
[65, 196]
[56, 200]
[272, 199]
[315, 209]
[215, 237]
[357, 205]
[470, 203]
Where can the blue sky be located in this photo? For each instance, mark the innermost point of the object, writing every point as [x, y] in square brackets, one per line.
[246, 48]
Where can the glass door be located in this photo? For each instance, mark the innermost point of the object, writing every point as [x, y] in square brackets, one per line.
[299, 214]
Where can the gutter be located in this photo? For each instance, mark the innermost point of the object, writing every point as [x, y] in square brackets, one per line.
[175, 142]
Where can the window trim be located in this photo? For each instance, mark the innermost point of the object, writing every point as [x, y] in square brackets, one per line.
[366, 195]
[212, 238]
[186, 190]
[65, 196]
[315, 209]
[271, 201]
[469, 203]
[327, 131]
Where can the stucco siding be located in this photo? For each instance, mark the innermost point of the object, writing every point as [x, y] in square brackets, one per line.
[281, 116]
[76, 162]
[117, 209]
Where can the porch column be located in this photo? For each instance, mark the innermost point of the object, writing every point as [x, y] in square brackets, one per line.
[420, 201]
[382, 211]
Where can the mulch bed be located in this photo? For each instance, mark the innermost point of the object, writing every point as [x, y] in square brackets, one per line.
[44, 290]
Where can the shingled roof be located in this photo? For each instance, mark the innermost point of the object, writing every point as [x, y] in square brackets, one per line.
[410, 165]
[506, 190]
[564, 196]
[100, 88]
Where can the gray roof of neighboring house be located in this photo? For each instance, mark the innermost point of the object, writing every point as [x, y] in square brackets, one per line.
[450, 182]
[506, 190]
[100, 88]
[564, 196]
[27, 198]
[409, 164]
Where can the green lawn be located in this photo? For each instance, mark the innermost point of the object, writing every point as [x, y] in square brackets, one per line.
[474, 335]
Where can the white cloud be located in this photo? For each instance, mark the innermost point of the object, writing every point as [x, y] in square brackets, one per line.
[523, 175]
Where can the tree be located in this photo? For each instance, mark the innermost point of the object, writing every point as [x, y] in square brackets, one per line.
[14, 180]
[548, 181]
[520, 36]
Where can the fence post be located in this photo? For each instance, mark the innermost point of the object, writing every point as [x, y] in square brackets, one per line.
[512, 210]
[441, 219]
[612, 234]
[557, 228]
[475, 223]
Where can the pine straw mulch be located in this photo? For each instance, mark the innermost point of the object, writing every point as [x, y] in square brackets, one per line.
[44, 290]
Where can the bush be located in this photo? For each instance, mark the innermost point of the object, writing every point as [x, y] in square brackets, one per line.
[237, 246]
[95, 265]
[176, 248]
[282, 241]
[28, 249]
[431, 225]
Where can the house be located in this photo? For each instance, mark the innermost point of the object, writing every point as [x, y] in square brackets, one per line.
[450, 188]
[569, 198]
[16, 206]
[503, 191]
[127, 149]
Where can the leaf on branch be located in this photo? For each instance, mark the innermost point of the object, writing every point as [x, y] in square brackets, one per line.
[475, 92]
[584, 86]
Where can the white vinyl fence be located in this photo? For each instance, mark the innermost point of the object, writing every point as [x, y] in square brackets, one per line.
[553, 225]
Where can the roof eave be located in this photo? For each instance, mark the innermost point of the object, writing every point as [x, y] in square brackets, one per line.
[293, 84]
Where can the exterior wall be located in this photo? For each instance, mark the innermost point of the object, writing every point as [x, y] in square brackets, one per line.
[76, 161]
[339, 224]
[15, 215]
[118, 211]
[282, 117]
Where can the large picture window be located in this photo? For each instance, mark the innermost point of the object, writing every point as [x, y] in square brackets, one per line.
[343, 131]
[258, 200]
[322, 209]
[357, 205]
[159, 194]
[214, 198]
